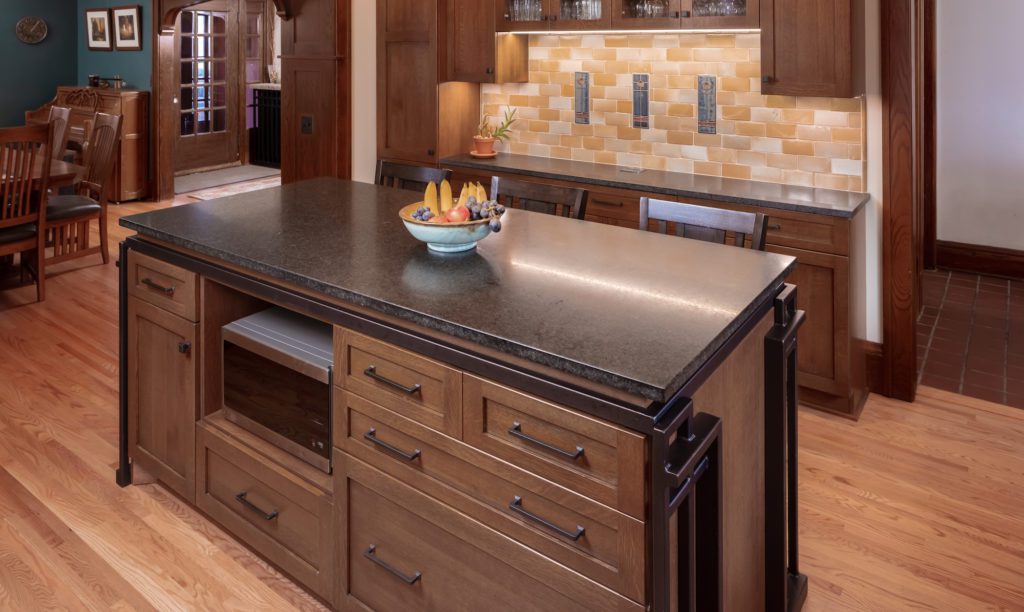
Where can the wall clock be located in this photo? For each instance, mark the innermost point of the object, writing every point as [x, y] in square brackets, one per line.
[31, 30]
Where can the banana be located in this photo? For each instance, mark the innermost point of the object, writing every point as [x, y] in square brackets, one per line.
[430, 198]
[463, 195]
[446, 197]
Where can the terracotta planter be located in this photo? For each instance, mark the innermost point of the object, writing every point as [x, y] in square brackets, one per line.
[483, 146]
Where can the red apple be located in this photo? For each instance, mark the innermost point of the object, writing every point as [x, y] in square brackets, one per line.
[438, 219]
[459, 214]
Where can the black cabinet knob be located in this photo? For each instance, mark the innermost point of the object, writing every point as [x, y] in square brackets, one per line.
[430, 152]
[184, 347]
[490, 71]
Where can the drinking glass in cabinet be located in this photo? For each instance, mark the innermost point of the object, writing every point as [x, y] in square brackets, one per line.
[525, 10]
[648, 9]
[581, 10]
[720, 8]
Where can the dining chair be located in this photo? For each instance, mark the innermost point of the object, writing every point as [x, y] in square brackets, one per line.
[68, 216]
[704, 222]
[561, 201]
[60, 118]
[413, 178]
[23, 198]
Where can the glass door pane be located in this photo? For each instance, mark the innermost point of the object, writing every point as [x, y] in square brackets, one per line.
[524, 15]
[647, 14]
[583, 14]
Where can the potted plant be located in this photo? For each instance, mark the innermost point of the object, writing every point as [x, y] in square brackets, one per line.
[486, 134]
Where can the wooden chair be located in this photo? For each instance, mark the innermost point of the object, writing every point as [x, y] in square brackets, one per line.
[68, 216]
[705, 223]
[561, 201]
[413, 178]
[22, 199]
[60, 118]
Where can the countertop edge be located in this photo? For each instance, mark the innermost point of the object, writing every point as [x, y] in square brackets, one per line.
[717, 197]
[561, 364]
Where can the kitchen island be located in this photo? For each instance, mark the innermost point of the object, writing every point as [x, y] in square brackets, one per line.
[573, 416]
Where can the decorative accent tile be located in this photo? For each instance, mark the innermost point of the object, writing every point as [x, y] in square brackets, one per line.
[642, 101]
[582, 98]
[582, 102]
[707, 104]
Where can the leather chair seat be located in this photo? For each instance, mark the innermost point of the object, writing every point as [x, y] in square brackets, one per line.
[17, 233]
[62, 207]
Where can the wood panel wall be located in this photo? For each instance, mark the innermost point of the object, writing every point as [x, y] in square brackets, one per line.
[316, 84]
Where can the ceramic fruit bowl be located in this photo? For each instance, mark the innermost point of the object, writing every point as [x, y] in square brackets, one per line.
[445, 237]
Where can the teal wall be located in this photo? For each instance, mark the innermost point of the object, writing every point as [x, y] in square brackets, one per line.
[135, 67]
[31, 73]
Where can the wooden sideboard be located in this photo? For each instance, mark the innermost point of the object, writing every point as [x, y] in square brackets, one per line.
[130, 176]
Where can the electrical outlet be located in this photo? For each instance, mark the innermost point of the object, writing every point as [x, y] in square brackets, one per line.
[307, 124]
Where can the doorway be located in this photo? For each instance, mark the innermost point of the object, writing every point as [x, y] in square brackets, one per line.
[222, 68]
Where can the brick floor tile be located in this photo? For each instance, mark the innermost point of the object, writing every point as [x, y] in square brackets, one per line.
[938, 382]
[990, 395]
[989, 380]
[945, 370]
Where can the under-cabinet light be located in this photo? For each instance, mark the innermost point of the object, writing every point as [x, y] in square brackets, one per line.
[627, 32]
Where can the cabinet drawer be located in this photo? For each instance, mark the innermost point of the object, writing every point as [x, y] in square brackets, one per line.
[605, 545]
[419, 388]
[595, 458]
[407, 551]
[163, 285]
[806, 234]
[621, 208]
[281, 517]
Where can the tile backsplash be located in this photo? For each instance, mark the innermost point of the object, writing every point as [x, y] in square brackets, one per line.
[800, 141]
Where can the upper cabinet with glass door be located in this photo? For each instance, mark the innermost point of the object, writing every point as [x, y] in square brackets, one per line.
[542, 15]
[684, 14]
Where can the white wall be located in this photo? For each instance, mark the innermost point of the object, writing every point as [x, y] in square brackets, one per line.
[980, 123]
[364, 90]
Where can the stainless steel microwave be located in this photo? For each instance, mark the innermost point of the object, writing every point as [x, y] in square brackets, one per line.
[277, 381]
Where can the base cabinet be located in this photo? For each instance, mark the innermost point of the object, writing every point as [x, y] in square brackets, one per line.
[162, 394]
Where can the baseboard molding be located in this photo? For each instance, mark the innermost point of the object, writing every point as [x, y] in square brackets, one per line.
[991, 261]
[873, 367]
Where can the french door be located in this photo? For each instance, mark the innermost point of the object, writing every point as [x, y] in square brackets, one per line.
[206, 45]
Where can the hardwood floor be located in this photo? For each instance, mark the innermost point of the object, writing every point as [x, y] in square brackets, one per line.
[917, 506]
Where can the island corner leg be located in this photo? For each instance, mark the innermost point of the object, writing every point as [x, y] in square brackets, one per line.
[124, 467]
[785, 586]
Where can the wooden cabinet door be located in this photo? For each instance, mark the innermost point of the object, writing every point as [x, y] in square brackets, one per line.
[407, 79]
[822, 282]
[634, 15]
[162, 395]
[471, 46]
[807, 48]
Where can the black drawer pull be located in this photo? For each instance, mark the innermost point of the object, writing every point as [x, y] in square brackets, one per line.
[243, 498]
[775, 227]
[617, 203]
[168, 291]
[184, 348]
[371, 554]
[517, 431]
[372, 437]
[517, 507]
[372, 373]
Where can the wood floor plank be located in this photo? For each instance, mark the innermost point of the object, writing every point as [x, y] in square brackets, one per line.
[914, 507]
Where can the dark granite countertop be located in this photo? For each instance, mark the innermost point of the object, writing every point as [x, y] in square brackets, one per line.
[771, 195]
[638, 311]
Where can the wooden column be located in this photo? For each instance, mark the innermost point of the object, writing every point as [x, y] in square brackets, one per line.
[900, 207]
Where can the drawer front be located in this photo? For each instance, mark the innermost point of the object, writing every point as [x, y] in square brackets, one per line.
[806, 234]
[414, 386]
[163, 285]
[602, 544]
[282, 518]
[597, 459]
[407, 551]
[618, 207]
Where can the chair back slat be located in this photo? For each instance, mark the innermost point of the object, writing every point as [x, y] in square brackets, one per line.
[412, 178]
[60, 118]
[19, 149]
[704, 222]
[560, 201]
[100, 154]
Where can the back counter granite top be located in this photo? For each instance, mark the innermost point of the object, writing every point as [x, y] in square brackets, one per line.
[736, 191]
[634, 310]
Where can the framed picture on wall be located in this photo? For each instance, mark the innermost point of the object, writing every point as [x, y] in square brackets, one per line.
[97, 30]
[127, 27]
